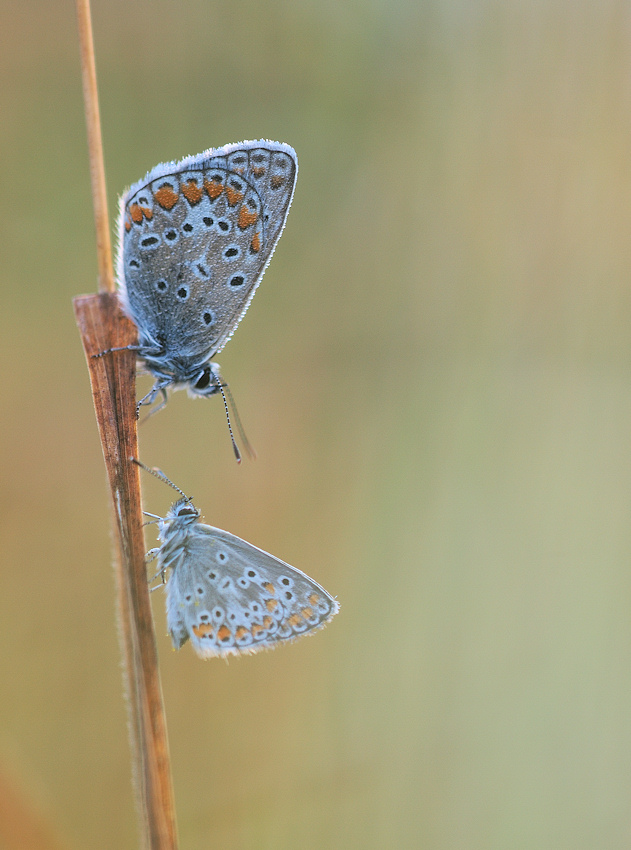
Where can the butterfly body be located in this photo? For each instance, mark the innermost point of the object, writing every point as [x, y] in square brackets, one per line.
[195, 239]
[229, 597]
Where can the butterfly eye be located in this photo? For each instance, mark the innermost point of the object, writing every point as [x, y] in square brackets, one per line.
[204, 382]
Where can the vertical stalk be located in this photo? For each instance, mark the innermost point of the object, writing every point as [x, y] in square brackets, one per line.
[95, 147]
[113, 378]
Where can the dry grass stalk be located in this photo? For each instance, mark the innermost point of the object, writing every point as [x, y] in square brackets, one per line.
[113, 378]
[102, 326]
[95, 147]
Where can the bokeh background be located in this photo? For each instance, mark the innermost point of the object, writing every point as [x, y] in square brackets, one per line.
[436, 373]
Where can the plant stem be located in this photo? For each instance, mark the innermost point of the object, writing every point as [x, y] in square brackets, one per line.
[113, 377]
[95, 147]
[103, 325]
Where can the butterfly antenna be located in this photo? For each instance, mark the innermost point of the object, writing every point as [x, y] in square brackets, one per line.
[248, 447]
[158, 473]
[220, 386]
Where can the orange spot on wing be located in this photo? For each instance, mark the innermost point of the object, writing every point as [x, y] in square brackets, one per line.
[166, 197]
[307, 613]
[223, 633]
[233, 196]
[147, 212]
[241, 632]
[269, 587]
[192, 192]
[255, 244]
[267, 622]
[258, 171]
[256, 629]
[246, 218]
[214, 188]
[136, 213]
[314, 599]
[127, 224]
[202, 630]
[271, 605]
[295, 620]
[276, 182]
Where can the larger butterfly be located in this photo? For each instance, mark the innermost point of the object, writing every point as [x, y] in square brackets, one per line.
[228, 597]
[195, 239]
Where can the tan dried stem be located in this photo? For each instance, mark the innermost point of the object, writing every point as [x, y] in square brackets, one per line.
[95, 147]
[103, 326]
[113, 377]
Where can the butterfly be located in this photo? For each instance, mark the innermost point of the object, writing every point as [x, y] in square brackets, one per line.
[227, 596]
[195, 238]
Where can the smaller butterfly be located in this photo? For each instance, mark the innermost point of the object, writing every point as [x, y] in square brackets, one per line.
[226, 596]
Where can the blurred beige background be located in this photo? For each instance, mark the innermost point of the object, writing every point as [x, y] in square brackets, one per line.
[436, 373]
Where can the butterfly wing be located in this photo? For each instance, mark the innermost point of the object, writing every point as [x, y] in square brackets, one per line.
[195, 239]
[229, 597]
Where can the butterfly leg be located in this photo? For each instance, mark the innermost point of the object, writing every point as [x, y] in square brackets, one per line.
[150, 397]
[155, 409]
[151, 554]
[162, 583]
[121, 348]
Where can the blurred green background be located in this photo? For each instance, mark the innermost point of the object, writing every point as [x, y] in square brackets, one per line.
[436, 373]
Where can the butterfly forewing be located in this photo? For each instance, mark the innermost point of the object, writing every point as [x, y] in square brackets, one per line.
[229, 597]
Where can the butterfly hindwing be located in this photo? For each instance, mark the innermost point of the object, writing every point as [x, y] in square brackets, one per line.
[195, 239]
[230, 597]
